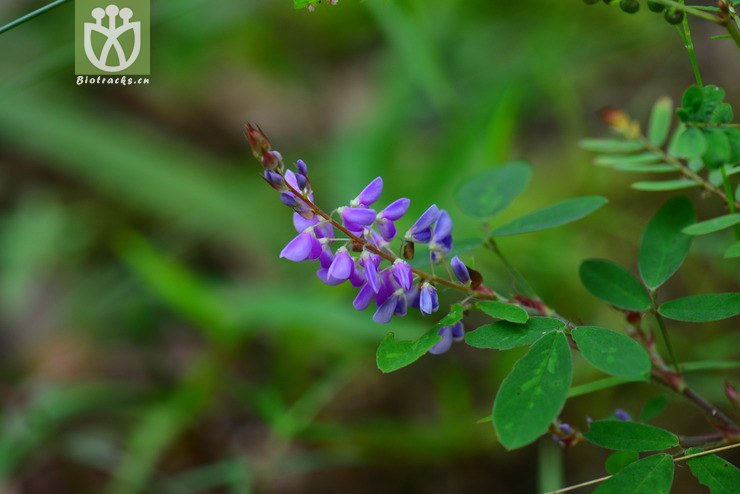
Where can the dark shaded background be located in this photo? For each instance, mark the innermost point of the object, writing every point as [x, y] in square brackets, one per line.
[152, 341]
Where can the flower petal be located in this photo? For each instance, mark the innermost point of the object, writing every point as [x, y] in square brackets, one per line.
[426, 220]
[358, 216]
[369, 194]
[342, 265]
[299, 249]
[300, 223]
[386, 310]
[396, 209]
[387, 229]
[443, 227]
[460, 270]
[445, 343]
[403, 274]
[364, 297]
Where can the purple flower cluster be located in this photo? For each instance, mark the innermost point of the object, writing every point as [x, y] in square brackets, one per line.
[364, 257]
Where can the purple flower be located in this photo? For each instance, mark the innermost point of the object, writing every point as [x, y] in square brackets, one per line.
[369, 194]
[421, 230]
[565, 428]
[274, 179]
[355, 219]
[392, 305]
[428, 301]
[302, 167]
[364, 297]
[323, 275]
[460, 270]
[327, 256]
[403, 274]
[448, 334]
[622, 414]
[357, 278]
[441, 242]
[304, 246]
[386, 287]
[395, 210]
[370, 262]
[342, 266]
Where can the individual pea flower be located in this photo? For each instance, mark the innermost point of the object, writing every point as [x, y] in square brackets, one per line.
[428, 301]
[393, 305]
[275, 180]
[322, 228]
[421, 230]
[460, 270]
[622, 414]
[391, 213]
[342, 266]
[357, 219]
[370, 263]
[403, 274]
[303, 247]
[449, 334]
[369, 194]
[441, 242]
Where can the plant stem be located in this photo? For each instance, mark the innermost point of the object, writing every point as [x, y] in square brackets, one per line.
[690, 10]
[685, 170]
[730, 200]
[664, 332]
[518, 278]
[689, 44]
[31, 15]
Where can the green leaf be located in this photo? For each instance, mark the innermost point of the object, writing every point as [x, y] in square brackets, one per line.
[558, 214]
[611, 145]
[592, 387]
[620, 459]
[501, 310]
[657, 168]
[613, 284]
[612, 352]
[393, 355]
[491, 191]
[719, 475]
[503, 335]
[664, 247]
[653, 407]
[660, 121]
[664, 185]
[718, 148]
[702, 308]
[713, 225]
[722, 114]
[733, 251]
[733, 136]
[651, 475]
[623, 435]
[712, 97]
[692, 99]
[629, 159]
[534, 393]
[690, 144]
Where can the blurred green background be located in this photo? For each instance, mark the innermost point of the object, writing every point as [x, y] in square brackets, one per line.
[152, 341]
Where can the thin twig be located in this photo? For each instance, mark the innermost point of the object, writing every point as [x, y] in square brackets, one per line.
[675, 460]
[31, 15]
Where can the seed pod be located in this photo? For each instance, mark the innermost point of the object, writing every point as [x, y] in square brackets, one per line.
[655, 6]
[629, 6]
[408, 251]
[673, 16]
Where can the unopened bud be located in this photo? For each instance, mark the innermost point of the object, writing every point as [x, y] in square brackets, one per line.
[257, 140]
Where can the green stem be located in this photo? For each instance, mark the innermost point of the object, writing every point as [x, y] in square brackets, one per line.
[526, 289]
[664, 333]
[690, 10]
[730, 199]
[31, 15]
[689, 44]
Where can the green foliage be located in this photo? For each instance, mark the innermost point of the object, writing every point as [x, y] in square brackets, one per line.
[653, 407]
[624, 435]
[393, 354]
[713, 225]
[651, 475]
[702, 308]
[665, 185]
[503, 335]
[501, 310]
[613, 284]
[619, 460]
[612, 352]
[660, 121]
[535, 391]
[491, 191]
[733, 251]
[611, 145]
[690, 143]
[664, 247]
[719, 475]
[556, 215]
